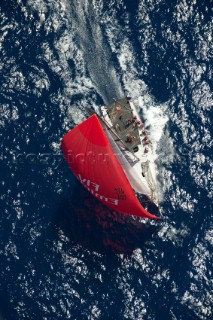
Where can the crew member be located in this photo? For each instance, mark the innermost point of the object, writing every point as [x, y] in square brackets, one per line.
[146, 140]
[117, 127]
[136, 124]
[134, 119]
[128, 122]
[128, 138]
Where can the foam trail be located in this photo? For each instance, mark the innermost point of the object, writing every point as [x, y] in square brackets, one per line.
[95, 50]
[155, 116]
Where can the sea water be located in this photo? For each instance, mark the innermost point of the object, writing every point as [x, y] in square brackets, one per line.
[62, 254]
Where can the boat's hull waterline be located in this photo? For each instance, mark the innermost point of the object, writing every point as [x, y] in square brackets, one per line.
[112, 157]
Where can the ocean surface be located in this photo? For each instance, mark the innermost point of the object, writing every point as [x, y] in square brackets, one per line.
[63, 255]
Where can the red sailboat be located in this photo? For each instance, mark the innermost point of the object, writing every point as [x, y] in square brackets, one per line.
[97, 165]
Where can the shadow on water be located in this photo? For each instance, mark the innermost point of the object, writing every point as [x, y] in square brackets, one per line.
[89, 223]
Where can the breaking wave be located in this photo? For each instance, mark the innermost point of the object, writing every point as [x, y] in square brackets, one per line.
[63, 254]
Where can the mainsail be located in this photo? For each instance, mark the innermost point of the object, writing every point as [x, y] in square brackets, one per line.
[95, 164]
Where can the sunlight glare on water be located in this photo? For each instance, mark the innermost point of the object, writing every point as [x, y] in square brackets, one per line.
[64, 255]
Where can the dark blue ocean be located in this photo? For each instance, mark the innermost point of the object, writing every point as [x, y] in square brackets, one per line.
[63, 255]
